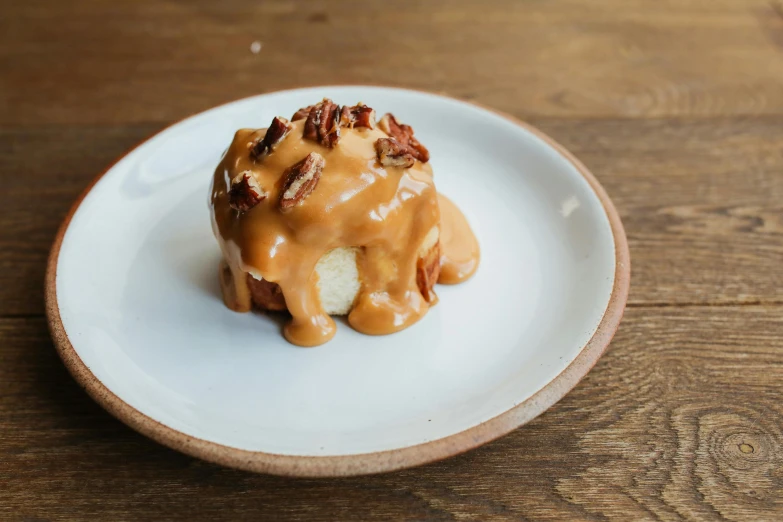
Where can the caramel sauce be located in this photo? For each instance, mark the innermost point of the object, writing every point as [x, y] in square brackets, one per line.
[459, 248]
[385, 211]
[392, 214]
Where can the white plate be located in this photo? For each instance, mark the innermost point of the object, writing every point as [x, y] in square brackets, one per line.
[135, 309]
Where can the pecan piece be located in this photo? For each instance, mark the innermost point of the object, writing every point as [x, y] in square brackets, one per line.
[359, 115]
[300, 180]
[427, 272]
[277, 130]
[404, 135]
[323, 123]
[301, 113]
[245, 192]
[392, 154]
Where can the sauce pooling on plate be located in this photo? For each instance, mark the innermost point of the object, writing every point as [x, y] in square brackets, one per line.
[458, 245]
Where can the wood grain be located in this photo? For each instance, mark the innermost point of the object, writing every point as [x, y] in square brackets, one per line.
[681, 419]
[701, 201]
[675, 105]
[151, 60]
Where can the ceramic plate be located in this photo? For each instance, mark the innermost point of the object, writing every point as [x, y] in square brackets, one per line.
[135, 310]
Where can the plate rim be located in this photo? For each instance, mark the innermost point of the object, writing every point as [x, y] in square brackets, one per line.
[363, 463]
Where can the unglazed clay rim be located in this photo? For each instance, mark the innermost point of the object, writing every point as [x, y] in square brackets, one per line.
[366, 463]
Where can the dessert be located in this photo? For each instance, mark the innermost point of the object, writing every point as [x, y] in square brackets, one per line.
[335, 213]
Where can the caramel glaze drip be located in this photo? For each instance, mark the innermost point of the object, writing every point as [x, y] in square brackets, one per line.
[357, 203]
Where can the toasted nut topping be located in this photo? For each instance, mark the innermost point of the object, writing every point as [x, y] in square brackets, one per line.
[392, 154]
[245, 192]
[357, 116]
[301, 179]
[323, 123]
[276, 132]
[427, 272]
[301, 113]
[404, 136]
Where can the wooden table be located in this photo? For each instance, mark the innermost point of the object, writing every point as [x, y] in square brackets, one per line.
[676, 106]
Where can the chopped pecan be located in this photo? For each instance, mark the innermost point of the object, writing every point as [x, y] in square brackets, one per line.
[357, 116]
[300, 180]
[395, 129]
[277, 130]
[323, 123]
[392, 154]
[404, 136]
[427, 272]
[301, 113]
[245, 192]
